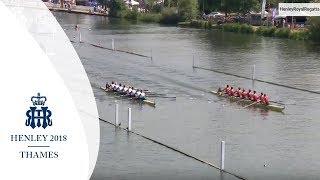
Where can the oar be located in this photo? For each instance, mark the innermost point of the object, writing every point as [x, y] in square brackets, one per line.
[148, 92]
[277, 102]
[250, 104]
[156, 95]
[163, 96]
[240, 100]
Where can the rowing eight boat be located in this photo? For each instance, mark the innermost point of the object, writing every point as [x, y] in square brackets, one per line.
[272, 107]
[152, 103]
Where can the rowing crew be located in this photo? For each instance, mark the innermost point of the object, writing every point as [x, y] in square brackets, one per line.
[241, 93]
[127, 90]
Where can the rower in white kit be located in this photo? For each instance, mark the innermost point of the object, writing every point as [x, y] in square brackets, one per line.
[120, 88]
[125, 89]
[115, 86]
[137, 95]
[129, 90]
[111, 86]
[133, 92]
[142, 95]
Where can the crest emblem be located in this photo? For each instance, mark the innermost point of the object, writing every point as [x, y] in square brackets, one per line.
[38, 115]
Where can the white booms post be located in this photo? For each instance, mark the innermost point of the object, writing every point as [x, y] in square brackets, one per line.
[151, 54]
[80, 39]
[117, 115]
[112, 44]
[129, 119]
[253, 71]
[222, 155]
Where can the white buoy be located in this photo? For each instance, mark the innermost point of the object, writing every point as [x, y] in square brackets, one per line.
[117, 115]
[253, 71]
[222, 155]
[129, 119]
[112, 44]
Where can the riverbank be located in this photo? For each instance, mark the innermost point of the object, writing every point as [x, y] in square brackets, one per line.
[296, 34]
[199, 24]
[169, 17]
[74, 9]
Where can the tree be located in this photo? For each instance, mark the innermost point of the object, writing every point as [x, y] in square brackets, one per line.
[188, 9]
[314, 26]
[228, 6]
[116, 6]
[249, 5]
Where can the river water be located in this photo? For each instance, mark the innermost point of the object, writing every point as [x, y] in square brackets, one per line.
[259, 144]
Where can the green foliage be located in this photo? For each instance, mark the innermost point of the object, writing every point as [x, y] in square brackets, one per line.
[298, 35]
[169, 16]
[152, 6]
[282, 33]
[266, 31]
[236, 27]
[314, 28]
[156, 8]
[149, 17]
[237, 6]
[188, 9]
[201, 24]
[246, 28]
[132, 14]
[117, 7]
[248, 5]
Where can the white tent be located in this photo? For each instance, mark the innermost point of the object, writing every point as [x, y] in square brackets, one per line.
[134, 3]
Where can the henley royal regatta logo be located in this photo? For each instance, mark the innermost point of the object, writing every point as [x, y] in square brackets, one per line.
[38, 115]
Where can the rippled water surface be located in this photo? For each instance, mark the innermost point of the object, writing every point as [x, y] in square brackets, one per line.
[259, 144]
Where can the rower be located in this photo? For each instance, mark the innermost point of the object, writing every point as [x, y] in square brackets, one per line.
[219, 90]
[129, 91]
[107, 85]
[125, 89]
[137, 94]
[261, 98]
[112, 85]
[116, 86]
[250, 95]
[142, 95]
[244, 94]
[227, 90]
[133, 92]
[239, 92]
[255, 96]
[266, 99]
[231, 92]
[121, 88]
